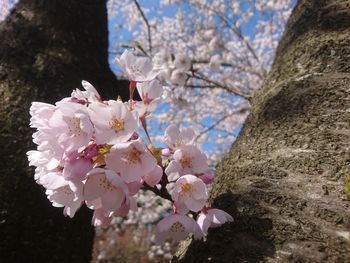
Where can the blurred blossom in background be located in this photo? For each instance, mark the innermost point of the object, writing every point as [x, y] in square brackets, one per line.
[213, 56]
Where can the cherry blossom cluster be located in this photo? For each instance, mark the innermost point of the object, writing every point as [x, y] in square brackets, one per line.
[91, 151]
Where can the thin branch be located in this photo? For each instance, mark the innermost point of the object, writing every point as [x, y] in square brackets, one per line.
[147, 24]
[200, 76]
[158, 192]
[138, 45]
[211, 127]
[250, 71]
[201, 86]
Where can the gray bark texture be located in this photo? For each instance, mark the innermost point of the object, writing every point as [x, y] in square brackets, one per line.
[46, 48]
[283, 180]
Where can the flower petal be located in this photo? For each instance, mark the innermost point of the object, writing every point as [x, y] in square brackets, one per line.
[112, 200]
[93, 188]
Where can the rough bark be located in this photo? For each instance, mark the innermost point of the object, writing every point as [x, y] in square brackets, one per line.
[46, 49]
[283, 180]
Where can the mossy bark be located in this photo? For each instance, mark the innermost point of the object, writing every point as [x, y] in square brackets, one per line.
[283, 180]
[46, 49]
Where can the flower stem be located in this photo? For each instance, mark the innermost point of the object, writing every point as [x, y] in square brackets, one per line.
[132, 87]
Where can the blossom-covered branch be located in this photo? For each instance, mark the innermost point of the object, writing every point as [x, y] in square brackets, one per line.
[90, 151]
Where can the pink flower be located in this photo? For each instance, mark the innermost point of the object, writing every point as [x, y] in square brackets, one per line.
[135, 68]
[177, 227]
[107, 186]
[89, 95]
[207, 177]
[64, 193]
[174, 138]
[114, 123]
[165, 152]
[212, 218]
[173, 170]
[131, 160]
[46, 140]
[52, 180]
[152, 178]
[45, 136]
[44, 162]
[75, 168]
[149, 90]
[144, 109]
[72, 126]
[188, 159]
[189, 193]
[40, 114]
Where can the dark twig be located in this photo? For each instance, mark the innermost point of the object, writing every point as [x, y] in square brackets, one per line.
[211, 127]
[147, 24]
[162, 192]
[236, 91]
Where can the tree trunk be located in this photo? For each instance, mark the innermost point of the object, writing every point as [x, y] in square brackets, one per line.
[283, 180]
[46, 49]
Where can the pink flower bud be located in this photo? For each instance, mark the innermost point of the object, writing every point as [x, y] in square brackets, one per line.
[165, 152]
[207, 178]
[91, 151]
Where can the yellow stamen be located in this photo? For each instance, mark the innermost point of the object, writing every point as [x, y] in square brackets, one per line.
[177, 227]
[117, 125]
[186, 187]
[133, 156]
[178, 143]
[100, 158]
[186, 162]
